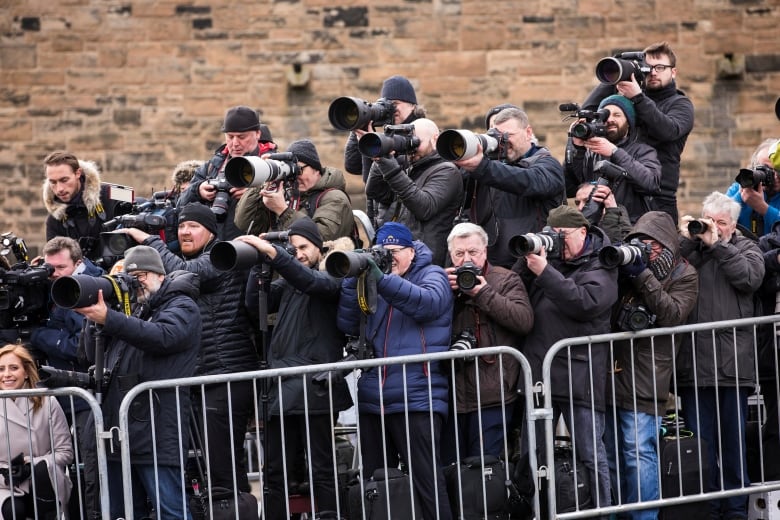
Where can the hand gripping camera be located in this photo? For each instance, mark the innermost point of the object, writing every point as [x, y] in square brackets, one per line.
[755, 177]
[466, 276]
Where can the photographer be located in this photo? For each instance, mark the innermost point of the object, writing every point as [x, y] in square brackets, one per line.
[158, 341]
[242, 130]
[511, 193]
[77, 203]
[715, 372]
[493, 308]
[611, 217]
[638, 175]
[226, 341]
[572, 295]
[317, 192]
[760, 202]
[425, 197]
[35, 444]
[664, 115]
[662, 288]
[59, 339]
[413, 316]
[305, 333]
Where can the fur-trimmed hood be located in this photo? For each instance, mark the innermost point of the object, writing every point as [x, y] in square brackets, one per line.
[90, 196]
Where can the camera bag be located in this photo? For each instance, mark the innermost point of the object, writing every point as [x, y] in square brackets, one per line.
[221, 505]
[391, 486]
[473, 475]
[682, 467]
[572, 490]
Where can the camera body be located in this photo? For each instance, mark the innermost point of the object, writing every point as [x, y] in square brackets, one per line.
[465, 340]
[466, 276]
[697, 227]
[551, 241]
[615, 256]
[755, 177]
[593, 210]
[220, 203]
[634, 316]
[24, 295]
[397, 138]
[613, 70]
[594, 124]
[343, 264]
[352, 113]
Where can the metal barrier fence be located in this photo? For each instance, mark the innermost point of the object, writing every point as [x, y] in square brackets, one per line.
[355, 445]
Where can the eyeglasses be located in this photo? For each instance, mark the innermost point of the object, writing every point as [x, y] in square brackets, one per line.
[660, 68]
[140, 276]
[395, 252]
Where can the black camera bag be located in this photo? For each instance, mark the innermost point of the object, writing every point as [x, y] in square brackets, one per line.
[376, 498]
[472, 476]
[222, 505]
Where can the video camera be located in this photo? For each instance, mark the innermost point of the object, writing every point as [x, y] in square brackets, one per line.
[613, 70]
[251, 171]
[754, 177]
[454, 145]
[24, 290]
[615, 256]
[81, 290]
[351, 113]
[594, 124]
[343, 264]
[157, 217]
[397, 138]
[549, 240]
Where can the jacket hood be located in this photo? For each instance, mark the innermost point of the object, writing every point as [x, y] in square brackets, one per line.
[331, 178]
[659, 226]
[423, 257]
[90, 192]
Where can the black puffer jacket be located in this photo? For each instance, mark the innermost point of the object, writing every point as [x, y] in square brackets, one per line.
[158, 342]
[646, 364]
[305, 333]
[226, 341]
[572, 298]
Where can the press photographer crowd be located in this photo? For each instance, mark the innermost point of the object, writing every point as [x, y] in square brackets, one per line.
[258, 259]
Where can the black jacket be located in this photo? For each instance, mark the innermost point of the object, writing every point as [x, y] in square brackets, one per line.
[159, 341]
[513, 199]
[226, 341]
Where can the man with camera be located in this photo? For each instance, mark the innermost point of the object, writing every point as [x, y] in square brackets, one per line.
[159, 340]
[491, 309]
[425, 196]
[572, 294]
[77, 202]
[404, 406]
[597, 203]
[657, 288]
[226, 339]
[715, 372]
[511, 191]
[612, 152]
[305, 300]
[757, 190]
[664, 113]
[242, 130]
[315, 191]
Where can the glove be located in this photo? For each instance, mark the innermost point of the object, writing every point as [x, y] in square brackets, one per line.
[19, 471]
[374, 270]
[633, 269]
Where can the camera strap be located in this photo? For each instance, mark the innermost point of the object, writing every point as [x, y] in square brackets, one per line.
[125, 297]
[366, 293]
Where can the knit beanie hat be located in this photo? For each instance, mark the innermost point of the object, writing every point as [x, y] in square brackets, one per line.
[394, 234]
[566, 217]
[200, 213]
[625, 105]
[495, 110]
[143, 258]
[306, 228]
[240, 119]
[305, 152]
[398, 87]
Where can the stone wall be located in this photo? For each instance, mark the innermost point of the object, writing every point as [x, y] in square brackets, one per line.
[139, 85]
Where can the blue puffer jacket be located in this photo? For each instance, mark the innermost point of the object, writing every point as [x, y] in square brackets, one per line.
[413, 316]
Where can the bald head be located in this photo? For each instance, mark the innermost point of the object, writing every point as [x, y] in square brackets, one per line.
[427, 131]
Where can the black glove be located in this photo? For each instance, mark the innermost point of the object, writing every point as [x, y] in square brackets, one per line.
[633, 269]
[19, 471]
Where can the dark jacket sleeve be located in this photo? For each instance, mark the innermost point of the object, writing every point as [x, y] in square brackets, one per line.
[542, 179]
[642, 166]
[741, 262]
[588, 294]
[60, 336]
[251, 214]
[671, 305]
[353, 159]
[348, 317]
[424, 202]
[201, 265]
[574, 170]
[672, 124]
[305, 279]
[191, 194]
[377, 188]
[507, 305]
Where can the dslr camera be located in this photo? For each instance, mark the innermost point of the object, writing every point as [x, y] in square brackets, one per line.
[56, 378]
[634, 316]
[351, 113]
[466, 276]
[235, 254]
[81, 290]
[397, 138]
[608, 174]
[343, 264]
[593, 122]
[454, 145]
[466, 340]
[551, 241]
[613, 70]
[615, 256]
[220, 203]
[251, 171]
[697, 227]
[755, 177]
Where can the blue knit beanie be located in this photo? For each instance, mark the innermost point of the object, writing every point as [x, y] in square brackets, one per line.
[625, 105]
[394, 234]
[398, 87]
